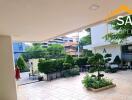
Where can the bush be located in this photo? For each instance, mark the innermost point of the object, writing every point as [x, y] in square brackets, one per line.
[51, 66]
[67, 66]
[22, 64]
[75, 72]
[59, 64]
[69, 59]
[117, 60]
[107, 58]
[81, 61]
[97, 60]
[47, 66]
[71, 72]
[92, 69]
[93, 82]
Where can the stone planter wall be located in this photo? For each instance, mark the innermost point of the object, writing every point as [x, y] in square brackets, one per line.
[101, 89]
[56, 75]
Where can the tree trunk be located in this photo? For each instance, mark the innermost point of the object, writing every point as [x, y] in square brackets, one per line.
[98, 74]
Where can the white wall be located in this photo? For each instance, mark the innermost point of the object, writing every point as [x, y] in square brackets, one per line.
[112, 49]
[97, 34]
[35, 65]
[88, 47]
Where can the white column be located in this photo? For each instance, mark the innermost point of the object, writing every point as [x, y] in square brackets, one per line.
[7, 75]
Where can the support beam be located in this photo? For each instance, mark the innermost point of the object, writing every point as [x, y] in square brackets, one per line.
[7, 74]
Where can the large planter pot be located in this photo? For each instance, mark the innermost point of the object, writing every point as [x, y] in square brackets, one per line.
[58, 74]
[103, 88]
[64, 73]
[40, 78]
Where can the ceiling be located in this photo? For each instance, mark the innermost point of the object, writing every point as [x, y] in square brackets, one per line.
[39, 20]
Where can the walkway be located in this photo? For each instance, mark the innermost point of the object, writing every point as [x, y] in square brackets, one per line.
[72, 89]
[25, 79]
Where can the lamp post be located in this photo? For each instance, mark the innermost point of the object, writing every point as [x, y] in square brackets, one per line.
[78, 46]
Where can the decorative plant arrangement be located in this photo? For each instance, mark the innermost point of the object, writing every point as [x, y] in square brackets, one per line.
[97, 82]
[58, 68]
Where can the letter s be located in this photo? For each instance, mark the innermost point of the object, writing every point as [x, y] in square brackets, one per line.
[120, 20]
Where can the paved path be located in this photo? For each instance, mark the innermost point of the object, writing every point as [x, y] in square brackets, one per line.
[25, 79]
[72, 89]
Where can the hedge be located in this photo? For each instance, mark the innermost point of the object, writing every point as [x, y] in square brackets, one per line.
[81, 61]
[51, 66]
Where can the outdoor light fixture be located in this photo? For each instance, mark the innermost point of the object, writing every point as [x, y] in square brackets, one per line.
[94, 7]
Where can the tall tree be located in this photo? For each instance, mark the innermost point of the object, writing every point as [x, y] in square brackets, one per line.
[21, 64]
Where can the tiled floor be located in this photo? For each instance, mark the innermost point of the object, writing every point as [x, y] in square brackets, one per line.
[72, 89]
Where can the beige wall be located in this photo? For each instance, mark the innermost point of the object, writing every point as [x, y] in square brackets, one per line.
[7, 75]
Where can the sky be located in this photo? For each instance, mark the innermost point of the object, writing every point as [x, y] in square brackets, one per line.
[72, 35]
[81, 34]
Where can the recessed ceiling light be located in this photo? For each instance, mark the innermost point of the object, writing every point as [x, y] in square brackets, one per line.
[94, 7]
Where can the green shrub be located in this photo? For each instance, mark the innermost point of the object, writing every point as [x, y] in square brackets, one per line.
[69, 59]
[66, 73]
[75, 72]
[71, 72]
[117, 60]
[47, 66]
[92, 69]
[93, 82]
[80, 61]
[59, 64]
[67, 66]
[51, 66]
[22, 64]
[97, 60]
[107, 58]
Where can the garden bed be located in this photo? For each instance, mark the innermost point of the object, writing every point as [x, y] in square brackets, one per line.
[96, 83]
[102, 88]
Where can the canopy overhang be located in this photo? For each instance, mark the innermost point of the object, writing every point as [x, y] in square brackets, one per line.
[39, 20]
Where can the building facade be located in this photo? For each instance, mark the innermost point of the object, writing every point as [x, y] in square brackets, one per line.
[99, 45]
[18, 49]
[70, 44]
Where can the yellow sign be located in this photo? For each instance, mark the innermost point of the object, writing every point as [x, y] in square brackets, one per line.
[118, 11]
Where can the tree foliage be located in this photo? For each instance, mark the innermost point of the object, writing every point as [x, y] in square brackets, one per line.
[97, 60]
[21, 64]
[117, 60]
[85, 40]
[38, 51]
[69, 59]
[55, 50]
[122, 31]
[107, 58]
[87, 53]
